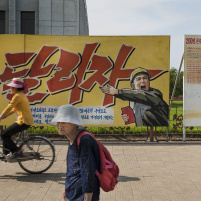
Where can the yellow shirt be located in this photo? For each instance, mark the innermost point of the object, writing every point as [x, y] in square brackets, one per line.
[20, 105]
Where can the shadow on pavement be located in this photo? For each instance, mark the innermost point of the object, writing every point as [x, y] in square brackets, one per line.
[36, 178]
[57, 177]
[125, 179]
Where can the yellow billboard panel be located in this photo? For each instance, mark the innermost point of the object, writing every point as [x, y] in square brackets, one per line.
[113, 80]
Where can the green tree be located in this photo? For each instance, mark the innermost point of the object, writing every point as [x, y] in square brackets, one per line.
[179, 88]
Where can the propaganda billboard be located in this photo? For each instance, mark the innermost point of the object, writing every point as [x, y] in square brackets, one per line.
[192, 80]
[113, 80]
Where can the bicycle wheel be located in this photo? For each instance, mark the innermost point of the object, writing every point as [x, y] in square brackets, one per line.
[40, 155]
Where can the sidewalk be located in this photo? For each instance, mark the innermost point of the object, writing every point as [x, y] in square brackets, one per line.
[148, 172]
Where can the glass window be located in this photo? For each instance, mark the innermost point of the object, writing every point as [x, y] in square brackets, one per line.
[2, 22]
[27, 22]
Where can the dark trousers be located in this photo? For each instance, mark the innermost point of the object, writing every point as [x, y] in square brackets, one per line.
[8, 133]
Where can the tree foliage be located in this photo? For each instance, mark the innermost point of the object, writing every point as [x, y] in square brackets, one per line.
[179, 88]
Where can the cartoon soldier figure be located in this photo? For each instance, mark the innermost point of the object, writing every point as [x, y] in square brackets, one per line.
[147, 103]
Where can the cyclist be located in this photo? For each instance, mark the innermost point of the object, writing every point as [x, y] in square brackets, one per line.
[19, 105]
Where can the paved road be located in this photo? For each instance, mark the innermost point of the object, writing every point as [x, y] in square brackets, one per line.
[148, 172]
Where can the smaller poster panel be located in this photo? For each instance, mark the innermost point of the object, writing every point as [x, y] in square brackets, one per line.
[192, 80]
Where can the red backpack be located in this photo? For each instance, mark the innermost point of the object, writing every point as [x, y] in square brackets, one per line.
[109, 171]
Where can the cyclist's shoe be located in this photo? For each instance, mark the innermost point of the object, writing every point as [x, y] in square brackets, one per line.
[2, 157]
[15, 156]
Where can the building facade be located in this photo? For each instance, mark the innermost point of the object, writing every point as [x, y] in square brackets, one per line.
[44, 17]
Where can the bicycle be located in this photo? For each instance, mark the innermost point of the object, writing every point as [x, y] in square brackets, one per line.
[38, 153]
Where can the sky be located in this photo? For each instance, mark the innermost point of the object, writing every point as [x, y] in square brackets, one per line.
[176, 18]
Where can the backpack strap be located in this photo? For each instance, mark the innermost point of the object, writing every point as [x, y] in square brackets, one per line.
[78, 143]
[80, 135]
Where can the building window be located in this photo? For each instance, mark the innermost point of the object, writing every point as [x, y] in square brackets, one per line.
[2, 22]
[27, 22]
